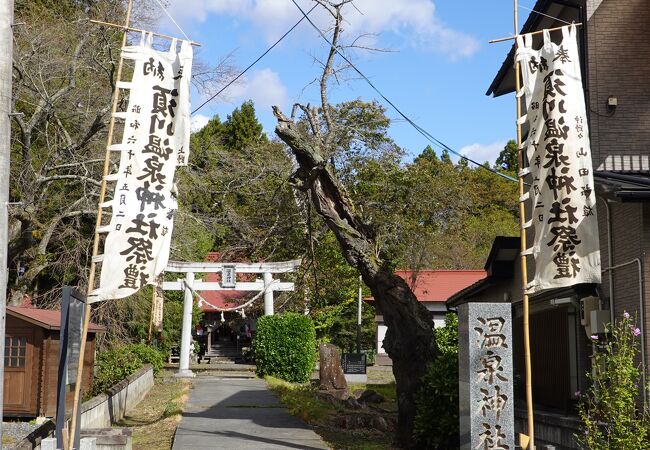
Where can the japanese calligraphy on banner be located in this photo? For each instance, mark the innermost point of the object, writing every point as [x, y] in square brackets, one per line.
[155, 140]
[566, 247]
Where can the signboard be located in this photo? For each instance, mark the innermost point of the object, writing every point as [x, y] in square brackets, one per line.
[485, 376]
[72, 316]
[158, 305]
[354, 363]
[155, 140]
[566, 247]
[228, 276]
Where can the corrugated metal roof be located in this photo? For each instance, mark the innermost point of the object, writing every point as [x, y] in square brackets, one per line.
[46, 318]
[437, 285]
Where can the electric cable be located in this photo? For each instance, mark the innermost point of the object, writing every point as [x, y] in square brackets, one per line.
[256, 61]
[418, 128]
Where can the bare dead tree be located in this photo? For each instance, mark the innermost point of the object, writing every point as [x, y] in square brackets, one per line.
[409, 339]
[64, 71]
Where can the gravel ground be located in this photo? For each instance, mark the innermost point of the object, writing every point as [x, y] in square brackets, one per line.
[13, 432]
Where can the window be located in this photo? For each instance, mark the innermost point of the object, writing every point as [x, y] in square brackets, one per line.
[15, 350]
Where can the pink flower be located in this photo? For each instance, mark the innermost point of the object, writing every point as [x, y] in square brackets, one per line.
[576, 393]
[636, 332]
[594, 337]
[626, 315]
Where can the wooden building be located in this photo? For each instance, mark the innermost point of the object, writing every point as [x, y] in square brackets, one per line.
[32, 359]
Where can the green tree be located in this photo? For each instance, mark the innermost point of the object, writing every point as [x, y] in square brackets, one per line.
[236, 190]
[242, 128]
[508, 159]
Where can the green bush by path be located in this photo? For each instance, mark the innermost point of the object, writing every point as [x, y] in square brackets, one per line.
[437, 421]
[285, 347]
[119, 362]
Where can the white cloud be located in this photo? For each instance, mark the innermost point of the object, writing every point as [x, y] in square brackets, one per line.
[264, 87]
[481, 152]
[198, 122]
[416, 20]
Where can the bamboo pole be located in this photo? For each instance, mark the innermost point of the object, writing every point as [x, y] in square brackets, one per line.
[98, 223]
[523, 247]
[510, 38]
[128, 28]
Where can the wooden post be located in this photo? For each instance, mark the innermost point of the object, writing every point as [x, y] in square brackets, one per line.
[98, 223]
[153, 306]
[523, 247]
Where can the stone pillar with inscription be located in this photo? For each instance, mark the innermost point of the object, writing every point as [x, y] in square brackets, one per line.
[485, 376]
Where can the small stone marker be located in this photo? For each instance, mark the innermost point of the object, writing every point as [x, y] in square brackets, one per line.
[48, 444]
[485, 376]
[331, 373]
[88, 444]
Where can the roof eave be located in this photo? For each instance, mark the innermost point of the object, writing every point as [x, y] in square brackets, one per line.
[533, 23]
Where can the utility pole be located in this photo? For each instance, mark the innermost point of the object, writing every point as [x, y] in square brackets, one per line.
[6, 71]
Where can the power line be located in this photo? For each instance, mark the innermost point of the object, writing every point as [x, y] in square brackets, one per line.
[418, 128]
[304, 16]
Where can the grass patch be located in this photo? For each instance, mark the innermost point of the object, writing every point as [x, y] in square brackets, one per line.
[350, 440]
[155, 418]
[256, 406]
[300, 400]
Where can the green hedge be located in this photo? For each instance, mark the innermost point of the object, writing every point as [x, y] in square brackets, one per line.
[285, 347]
[436, 420]
[119, 362]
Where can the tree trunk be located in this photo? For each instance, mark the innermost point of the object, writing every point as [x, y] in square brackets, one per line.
[409, 341]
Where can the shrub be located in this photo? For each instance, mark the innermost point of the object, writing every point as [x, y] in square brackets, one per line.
[436, 421]
[608, 410]
[147, 355]
[285, 347]
[119, 362]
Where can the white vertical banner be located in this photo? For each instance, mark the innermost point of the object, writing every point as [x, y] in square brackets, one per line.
[566, 247]
[158, 305]
[155, 140]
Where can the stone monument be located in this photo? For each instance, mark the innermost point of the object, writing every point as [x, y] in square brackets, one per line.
[331, 374]
[485, 376]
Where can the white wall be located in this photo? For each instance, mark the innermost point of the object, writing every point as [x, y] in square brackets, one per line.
[438, 311]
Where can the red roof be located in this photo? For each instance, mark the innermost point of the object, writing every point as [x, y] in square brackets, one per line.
[222, 299]
[438, 285]
[46, 318]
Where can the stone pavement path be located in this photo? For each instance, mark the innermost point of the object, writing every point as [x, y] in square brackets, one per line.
[227, 413]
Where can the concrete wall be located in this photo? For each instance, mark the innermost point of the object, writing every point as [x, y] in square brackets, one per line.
[550, 429]
[106, 409]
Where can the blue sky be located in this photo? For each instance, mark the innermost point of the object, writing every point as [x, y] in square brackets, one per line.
[438, 73]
